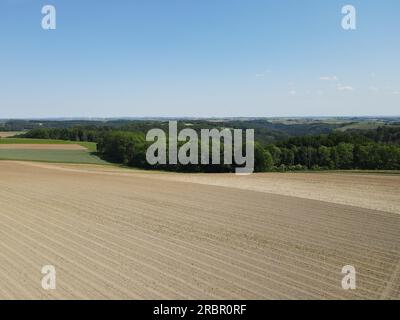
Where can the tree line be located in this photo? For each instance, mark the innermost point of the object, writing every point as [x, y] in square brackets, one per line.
[377, 149]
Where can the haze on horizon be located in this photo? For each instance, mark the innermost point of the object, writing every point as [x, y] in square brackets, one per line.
[176, 58]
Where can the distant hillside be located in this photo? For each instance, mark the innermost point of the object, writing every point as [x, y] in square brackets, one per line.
[266, 130]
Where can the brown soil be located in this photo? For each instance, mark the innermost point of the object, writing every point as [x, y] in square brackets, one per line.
[114, 233]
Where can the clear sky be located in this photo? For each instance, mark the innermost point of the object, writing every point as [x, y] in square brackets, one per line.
[199, 58]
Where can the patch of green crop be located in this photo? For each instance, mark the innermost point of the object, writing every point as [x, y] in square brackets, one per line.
[91, 146]
[60, 156]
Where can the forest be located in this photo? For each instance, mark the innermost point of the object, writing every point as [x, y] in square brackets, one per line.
[377, 149]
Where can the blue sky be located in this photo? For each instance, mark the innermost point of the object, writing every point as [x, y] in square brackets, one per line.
[199, 58]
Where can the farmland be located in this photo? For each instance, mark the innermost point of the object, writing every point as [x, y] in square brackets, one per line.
[90, 146]
[63, 156]
[120, 233]
[7, 134]
[48, 151]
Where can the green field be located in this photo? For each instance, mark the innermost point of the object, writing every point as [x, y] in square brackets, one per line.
[361, 126]
[61, 156]
[91, 146]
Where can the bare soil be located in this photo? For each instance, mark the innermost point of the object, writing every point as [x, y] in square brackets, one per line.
[122, 234]
[8, 134]
[41, 147]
